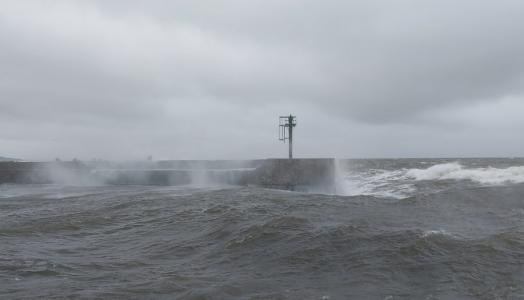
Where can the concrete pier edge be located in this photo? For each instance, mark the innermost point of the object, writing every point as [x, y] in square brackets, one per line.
[302, 174]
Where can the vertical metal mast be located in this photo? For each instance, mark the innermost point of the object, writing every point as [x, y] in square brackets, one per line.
[290, 121]
[287, 122]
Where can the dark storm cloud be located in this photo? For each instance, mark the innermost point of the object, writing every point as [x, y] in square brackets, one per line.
[190, 79]
[374, 60]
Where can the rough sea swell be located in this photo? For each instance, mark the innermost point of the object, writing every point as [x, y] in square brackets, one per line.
[409, 229]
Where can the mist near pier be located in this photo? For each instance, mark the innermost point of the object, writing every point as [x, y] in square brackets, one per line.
[197, 174]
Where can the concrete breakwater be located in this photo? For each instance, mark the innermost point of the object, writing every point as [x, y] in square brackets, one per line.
[315, 175]
[307, 175]
[42, 172]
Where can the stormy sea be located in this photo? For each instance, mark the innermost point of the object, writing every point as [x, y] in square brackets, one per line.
[394, 229]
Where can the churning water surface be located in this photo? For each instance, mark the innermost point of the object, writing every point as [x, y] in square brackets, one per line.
[399, 229]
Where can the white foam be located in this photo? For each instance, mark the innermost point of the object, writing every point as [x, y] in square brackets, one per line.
[440, 232]
[401, 183]
[455, 171]
[373, 182]
[434, 172]
[428, 233]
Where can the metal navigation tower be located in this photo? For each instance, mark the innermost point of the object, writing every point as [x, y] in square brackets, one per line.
[287, 122]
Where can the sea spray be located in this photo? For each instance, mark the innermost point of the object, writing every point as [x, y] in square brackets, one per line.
[371, 182]
[341, 186]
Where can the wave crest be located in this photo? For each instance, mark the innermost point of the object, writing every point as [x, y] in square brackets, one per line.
[456, 171]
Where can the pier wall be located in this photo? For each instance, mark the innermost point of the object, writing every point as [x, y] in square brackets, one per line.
[308, 175]
[41, 172]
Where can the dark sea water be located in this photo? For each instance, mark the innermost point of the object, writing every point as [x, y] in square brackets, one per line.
[399, 229]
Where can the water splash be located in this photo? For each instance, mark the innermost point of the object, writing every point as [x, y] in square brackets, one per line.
[371, 182]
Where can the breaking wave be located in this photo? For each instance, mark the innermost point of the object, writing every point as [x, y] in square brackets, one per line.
[405, 182]
[456, 171]
[378, 183]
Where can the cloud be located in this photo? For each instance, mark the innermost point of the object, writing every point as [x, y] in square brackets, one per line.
[88, 78]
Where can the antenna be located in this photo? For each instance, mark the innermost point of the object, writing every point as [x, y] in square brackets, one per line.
[287, 122]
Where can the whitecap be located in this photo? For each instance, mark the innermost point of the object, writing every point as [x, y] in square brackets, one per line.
[455, 171]
[428, 233]
[375, 182]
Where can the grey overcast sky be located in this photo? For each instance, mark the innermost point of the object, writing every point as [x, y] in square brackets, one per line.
[208, 79]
